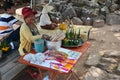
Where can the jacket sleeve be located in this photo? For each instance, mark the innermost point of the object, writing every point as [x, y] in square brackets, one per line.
[28, 35]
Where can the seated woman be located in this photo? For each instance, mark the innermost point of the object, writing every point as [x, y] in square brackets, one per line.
[7, 20]
[28, 31]
[45, 21]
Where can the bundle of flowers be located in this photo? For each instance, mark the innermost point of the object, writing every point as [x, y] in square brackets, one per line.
[5, 46]
[72, 38]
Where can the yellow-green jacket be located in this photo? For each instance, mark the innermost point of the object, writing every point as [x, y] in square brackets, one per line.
[26, 39]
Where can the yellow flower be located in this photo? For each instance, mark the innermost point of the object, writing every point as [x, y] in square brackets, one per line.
[65, 39]
[5, 49]
[63, 26]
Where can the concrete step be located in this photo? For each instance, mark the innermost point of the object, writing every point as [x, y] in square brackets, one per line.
[10, 67]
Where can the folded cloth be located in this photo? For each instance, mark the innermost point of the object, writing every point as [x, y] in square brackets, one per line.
[35, 58]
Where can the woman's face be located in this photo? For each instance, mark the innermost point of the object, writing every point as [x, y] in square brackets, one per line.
[30, 19]
[11, 10]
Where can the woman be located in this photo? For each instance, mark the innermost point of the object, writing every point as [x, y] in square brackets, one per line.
[28, 31]
[7, 20]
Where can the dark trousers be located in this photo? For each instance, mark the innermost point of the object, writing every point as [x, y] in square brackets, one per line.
[14, 36]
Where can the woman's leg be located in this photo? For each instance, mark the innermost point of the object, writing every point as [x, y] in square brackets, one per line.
[14, 36]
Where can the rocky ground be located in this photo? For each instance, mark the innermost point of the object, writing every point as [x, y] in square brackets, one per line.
[103, 57]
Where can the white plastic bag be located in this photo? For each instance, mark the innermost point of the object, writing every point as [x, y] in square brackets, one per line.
[44, 18]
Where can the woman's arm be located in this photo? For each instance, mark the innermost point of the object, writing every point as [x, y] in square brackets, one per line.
[28, 35]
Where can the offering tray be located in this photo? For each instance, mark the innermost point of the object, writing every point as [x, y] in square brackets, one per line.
[73, 45]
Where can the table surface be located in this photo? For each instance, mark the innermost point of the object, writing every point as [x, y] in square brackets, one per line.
[84, 31]
[81, 49]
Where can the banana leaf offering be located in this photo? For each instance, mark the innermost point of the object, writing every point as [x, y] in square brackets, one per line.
[72, 38]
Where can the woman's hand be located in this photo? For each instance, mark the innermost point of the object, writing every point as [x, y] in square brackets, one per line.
[54, 25]
[50, 27]
[45, 36]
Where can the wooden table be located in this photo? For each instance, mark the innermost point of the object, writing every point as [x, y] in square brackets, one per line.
[53, 72]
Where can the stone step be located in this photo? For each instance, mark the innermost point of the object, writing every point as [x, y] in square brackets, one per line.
[10, 67]
[13, 72]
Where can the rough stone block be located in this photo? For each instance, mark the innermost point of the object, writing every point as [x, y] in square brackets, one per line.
[69, 12]
[118, 69]
[113, 76]
[112, 53]
[93, 59]
[109, 67]
[93, 73]
[77, 21]
[112, 19]
[88, 21]
[108, 60]
[98, 23]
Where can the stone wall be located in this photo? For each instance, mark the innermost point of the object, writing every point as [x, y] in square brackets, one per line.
[90, 10]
